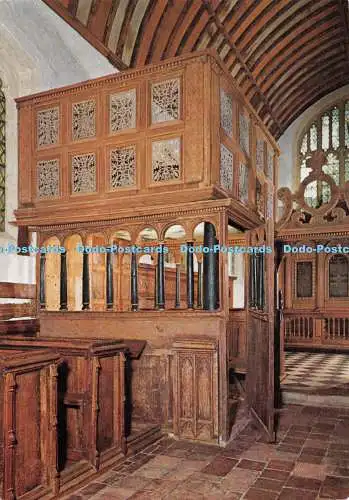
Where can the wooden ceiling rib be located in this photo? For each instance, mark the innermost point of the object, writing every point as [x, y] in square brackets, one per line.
[284, 54]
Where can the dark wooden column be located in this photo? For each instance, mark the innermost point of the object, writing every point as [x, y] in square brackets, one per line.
[178, 286]
[63, 280]
[134, 283]
[210, 280]
[85, 282]
[190, 276]
[252, 284]
[42, 293]
[155, 286]
[261, 281]
[160, 279]
[109, 284]
[199, 287]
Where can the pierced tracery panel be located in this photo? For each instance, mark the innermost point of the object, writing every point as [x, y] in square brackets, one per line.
[270, 165]
[260, 197]
[123, 167]
[48, 179]
[84, 173]
[165, 101]
[123, 111]
[226, 168]
[244, 129]
[84, 120]
[47, 123]
[226, 108]
[260, 155]
[166, 161]
[243, 183]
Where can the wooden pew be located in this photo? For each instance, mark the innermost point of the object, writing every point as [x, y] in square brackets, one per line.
[17, 318]
[28, 421]
[91, 391]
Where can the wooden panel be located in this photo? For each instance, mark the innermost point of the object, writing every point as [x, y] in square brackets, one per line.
[304, 277]
[17, 290]
[195, 410]
[105, 432]
[29, 423]
[28, 433]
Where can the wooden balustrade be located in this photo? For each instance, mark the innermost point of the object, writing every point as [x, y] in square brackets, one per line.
[314, 329]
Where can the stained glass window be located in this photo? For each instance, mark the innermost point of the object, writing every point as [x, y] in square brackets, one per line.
[328, 132]
[2, 157]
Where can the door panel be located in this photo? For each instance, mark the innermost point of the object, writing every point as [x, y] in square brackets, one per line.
[260, 329]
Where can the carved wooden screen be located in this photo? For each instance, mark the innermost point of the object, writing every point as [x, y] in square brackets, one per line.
[2, 157]
[338, 277]
[260, 330]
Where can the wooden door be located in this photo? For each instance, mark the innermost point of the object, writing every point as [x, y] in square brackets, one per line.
[260, 328]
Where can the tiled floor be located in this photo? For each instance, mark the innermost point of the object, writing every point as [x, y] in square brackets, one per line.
[310, 461]
[316, 370]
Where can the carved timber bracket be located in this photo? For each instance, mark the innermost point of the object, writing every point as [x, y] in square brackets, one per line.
[297, 213]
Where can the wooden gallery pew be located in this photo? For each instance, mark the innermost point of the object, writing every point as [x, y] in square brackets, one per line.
[91, 388]
[28, 423]
[18, 309]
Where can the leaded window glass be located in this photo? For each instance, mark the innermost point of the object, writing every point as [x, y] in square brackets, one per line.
[328, 132]
[2, 157]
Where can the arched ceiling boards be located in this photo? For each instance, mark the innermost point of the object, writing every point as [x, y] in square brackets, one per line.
[284, 54]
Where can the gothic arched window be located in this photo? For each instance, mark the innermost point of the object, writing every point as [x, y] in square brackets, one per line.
[2, 157]
[327, 132]
[338, 276]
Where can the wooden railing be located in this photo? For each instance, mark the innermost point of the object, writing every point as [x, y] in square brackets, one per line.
[316, 329]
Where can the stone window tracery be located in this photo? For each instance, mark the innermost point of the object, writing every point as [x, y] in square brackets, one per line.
[123, 111]
[48, 179]
[84, 120]
[123, 167]
[2, 157]
[47, 127]
[226, 109]
[166, 161]
[165, 101]
[84, 173]
[226, 168]
[327, 132]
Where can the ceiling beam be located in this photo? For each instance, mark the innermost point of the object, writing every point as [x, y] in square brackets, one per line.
[85, 33]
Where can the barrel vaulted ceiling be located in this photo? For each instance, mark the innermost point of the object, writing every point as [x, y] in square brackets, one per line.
[284, 54]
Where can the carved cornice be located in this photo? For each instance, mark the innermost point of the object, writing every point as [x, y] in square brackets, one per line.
[174, 212]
